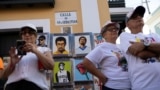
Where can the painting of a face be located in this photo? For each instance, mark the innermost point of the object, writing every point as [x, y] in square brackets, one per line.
[60, 46]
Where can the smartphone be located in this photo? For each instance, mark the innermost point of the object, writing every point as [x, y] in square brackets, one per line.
[19, 45]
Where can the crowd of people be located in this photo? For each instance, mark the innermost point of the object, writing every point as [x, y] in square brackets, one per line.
[131, 65]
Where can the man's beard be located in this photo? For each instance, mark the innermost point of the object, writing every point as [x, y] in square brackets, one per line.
[83, 44]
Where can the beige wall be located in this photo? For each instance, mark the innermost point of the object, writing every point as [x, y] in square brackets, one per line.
[68, 5]
[30, 13]
[104, 13]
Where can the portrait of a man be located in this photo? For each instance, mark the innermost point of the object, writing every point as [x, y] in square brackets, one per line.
[84, 45]
[42, 41]
[60, 43]
[62, 72]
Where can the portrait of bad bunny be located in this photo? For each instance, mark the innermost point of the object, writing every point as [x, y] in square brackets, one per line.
[43, 39]
[60, 44]
[83, 43]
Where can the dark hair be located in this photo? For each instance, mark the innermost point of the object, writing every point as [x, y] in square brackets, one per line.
[83, 37]
[42, 36]
[61, 63]
[60, 39]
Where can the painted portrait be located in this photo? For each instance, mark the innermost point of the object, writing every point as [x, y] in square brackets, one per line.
[60, 45]
[43, 40]
[82, 43]
[80, 73]
[62, 72]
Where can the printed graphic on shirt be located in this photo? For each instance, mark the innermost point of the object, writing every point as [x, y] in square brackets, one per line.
[138, 39]
[151, 60]
[148, 40]
[122, 62]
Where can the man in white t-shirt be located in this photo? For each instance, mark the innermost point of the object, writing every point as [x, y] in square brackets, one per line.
[142, 53]
[113, 71]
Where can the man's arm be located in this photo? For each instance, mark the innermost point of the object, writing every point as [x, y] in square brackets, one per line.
[154, 47]
[146, 54]
[138, 49]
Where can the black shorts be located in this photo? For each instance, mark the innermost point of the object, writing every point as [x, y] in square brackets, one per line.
[107, 88]
[22, 85]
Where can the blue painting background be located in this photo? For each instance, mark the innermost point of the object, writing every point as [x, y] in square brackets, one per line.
[77, 75]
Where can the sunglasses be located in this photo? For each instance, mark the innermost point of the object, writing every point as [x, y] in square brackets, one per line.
[30, 32]
[40, 39]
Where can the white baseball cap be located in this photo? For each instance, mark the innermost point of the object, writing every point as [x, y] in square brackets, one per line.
[138, 11]
[29, 25]
[108, 23]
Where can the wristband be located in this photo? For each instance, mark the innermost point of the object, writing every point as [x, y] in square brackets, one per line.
[146, 42]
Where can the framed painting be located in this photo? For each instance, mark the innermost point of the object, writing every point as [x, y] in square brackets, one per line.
[82, 43]
[60, 45]
[97, 39]
[43, 39]
[80, 73]
[66, 29]
[62, 72]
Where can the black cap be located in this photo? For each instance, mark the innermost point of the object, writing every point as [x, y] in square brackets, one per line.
[138, 11]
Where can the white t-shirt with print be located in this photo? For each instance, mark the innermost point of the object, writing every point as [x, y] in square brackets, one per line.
[107, 55]
[144, 75]
[27, 69]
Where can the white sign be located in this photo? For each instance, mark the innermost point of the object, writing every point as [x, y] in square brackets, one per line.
[65, 18]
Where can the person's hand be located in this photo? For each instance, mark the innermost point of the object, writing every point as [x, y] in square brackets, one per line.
[29, 47]
[136, 47]
[103, 79]
[14, 57]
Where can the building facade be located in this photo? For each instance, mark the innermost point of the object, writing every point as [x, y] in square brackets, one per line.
[50, 16]
[80, 15]
[153, 21]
